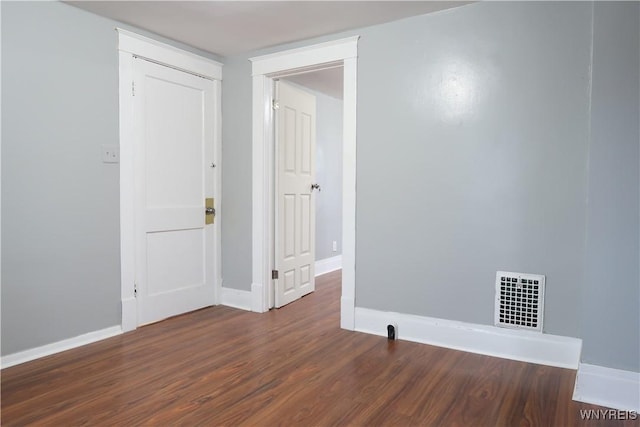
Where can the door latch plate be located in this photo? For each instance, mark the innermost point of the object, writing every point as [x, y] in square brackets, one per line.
[209, 210]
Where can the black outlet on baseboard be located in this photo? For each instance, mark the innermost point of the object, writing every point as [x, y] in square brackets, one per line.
[392, 332]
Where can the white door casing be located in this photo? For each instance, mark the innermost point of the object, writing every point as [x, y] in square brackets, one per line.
[295, 202]
[174, 121]
[207, 72]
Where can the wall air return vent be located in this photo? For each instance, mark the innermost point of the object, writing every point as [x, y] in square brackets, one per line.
[519, 300]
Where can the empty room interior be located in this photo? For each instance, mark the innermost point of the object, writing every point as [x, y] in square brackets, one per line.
[257, 213]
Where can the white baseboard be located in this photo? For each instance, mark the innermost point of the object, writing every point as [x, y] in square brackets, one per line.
[328, 265]
[57, 347]
[608, 387]
[236, 298]
[525, 346]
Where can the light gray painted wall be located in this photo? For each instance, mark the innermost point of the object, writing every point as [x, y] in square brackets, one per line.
[528, 66]
[329, 175]
[611, 312]
[236, 174]
[60, 210]
[472, 150]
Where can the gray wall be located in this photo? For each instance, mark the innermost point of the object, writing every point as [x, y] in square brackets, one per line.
[472, 150]
[236, 174]
[502, 184]
[60, 203]
[329, 175]
[478, 152]
[60, 210]
[473, 130]
[611, 318]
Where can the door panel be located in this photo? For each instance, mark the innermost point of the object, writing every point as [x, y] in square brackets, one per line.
[295, 203]
[174, 136]
[175, 116]
[305, 224]
[170, 263]
[289, 140]
[288, 229]
[305, 143]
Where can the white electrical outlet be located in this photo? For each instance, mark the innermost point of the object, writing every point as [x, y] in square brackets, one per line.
[335, 246]
[110, 154]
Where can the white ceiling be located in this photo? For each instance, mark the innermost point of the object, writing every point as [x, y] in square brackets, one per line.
[231, 27]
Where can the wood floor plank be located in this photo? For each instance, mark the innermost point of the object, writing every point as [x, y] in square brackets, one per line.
[292, 366]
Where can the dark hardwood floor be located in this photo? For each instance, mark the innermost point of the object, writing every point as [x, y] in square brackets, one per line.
[292, 366]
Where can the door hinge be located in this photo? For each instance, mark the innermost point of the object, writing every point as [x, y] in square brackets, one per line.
[275, 104]
[135, 290]
[133, 88]
[274, 274]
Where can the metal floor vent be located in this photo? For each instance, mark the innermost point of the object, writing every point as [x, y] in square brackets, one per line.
[519, 300]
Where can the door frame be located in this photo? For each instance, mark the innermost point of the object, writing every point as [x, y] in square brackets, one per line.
[264, 69]
[129, 45]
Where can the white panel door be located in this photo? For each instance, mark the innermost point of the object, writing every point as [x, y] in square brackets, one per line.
[173, 157]
[295, 201]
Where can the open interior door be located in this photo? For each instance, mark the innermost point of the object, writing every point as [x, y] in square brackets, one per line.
[295, 202]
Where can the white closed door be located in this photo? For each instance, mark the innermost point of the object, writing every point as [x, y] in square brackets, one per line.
[173, 156]
[295, 201]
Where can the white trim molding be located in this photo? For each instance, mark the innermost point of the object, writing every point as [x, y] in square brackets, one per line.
[57, 347]
[132, 45]
[327, 265]
[347, 301]
[309, 56]
[525, 346]
[127, 200]
[264, 69]
[166, 54]
[236, 298]
[613, 388]
[262, 180]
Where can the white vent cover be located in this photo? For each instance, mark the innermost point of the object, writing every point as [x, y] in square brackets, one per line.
[519, 300]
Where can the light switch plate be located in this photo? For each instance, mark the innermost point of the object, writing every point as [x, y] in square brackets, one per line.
[110, 154]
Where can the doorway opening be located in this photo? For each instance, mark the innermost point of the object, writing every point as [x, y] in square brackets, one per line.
[340, 53]
[307, 182]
